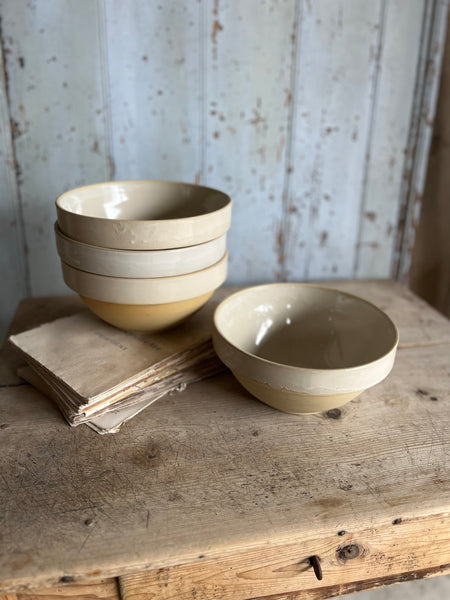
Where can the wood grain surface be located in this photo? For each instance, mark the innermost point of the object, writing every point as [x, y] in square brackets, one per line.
[351, 561]
[212, 474]
[106, 589]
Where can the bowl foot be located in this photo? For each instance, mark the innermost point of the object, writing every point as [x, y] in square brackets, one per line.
[146, 317]
[294, 402]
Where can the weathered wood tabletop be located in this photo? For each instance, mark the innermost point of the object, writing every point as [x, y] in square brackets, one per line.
[211, 494]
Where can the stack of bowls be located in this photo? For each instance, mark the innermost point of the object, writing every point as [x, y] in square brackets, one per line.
[143, 255]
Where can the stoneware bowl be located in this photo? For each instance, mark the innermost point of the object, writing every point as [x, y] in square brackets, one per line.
[143, 215]
[139, 263]
[303, 348]
[146, 304]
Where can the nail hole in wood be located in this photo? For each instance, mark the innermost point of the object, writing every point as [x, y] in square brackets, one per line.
[334, 413]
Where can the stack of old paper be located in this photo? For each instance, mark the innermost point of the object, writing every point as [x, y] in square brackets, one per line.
[102, 376]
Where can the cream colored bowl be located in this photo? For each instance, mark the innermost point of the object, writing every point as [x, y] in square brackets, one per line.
[304, 348]
[139, 263]
[146, 304]
[143, 215]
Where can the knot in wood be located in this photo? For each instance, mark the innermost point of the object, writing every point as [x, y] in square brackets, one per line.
[348, 552]
[334, 413]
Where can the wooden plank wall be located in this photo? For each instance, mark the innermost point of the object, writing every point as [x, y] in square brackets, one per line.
[430, 262]
[300, 110]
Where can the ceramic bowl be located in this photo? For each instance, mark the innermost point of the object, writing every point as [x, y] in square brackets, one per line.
[304, 348]
[139, 263]
[146, 304]
[143, 215]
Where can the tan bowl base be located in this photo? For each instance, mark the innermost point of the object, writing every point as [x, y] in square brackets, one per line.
[294, 402]
[146, 317]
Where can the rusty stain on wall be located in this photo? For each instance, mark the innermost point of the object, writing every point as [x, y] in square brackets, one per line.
[288, 98]
[280, 244]
[216, 28]
[323, 238]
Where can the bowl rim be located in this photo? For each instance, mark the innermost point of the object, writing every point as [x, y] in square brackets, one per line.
[141, 280]
[223, 208]
[132, 290]
[127, 252]
[293, 368]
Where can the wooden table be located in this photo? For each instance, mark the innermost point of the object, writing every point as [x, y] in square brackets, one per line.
[211, 494]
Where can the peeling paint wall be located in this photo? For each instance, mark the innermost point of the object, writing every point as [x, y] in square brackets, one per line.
[300, 110]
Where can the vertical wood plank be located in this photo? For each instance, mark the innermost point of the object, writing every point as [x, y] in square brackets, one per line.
[336, 68]
[430, 261]
[421, 131]
[387, 146]
[248, 70]
[155, 82]
[13, 271]
[54, 65]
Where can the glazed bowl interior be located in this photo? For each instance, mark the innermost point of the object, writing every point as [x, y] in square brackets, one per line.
[306, 326]
[142, 200]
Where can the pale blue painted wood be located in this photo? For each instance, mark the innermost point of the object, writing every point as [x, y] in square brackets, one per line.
[13, 267]
[248, 78]
[387, 147]
[420, 135]
[155, 88]
[334, 86]
[59, 113]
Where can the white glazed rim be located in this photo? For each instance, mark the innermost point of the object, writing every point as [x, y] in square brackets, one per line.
[224, 207]
[159, 290]
[128, 234]
[145, 263]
